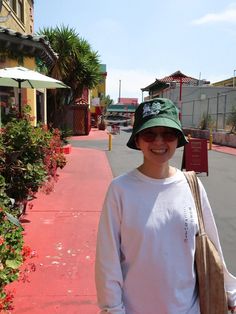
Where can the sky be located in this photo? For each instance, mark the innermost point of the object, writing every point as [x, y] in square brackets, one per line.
[140, 41]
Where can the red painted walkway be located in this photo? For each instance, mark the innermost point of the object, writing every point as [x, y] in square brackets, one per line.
[224, 149]
[62, 229]
[94, 134]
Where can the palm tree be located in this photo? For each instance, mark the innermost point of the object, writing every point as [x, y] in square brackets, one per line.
[77, 65]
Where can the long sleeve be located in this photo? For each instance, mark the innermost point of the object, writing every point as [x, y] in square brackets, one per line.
[108, 274]
[211, 230]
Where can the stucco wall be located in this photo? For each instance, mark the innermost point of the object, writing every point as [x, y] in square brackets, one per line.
[13, 22]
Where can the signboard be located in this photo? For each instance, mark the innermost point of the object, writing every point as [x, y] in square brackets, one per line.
[195, 156]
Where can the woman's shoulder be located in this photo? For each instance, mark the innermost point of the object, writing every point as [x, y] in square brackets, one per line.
[124, 177]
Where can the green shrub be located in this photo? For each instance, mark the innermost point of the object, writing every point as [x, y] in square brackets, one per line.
[28, 158]
[206, 122]
[11, 247]
[232, 119]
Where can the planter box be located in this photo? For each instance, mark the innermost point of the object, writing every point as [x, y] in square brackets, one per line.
[66, 149]
[221, 138]
[102, 126]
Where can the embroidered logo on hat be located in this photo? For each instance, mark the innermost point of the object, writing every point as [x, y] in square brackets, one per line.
[152, 108]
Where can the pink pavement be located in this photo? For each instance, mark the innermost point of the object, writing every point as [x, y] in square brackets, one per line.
[224, 149]
[94, 134]
[62, 229]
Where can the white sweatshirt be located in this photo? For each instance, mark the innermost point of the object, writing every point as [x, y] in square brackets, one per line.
[146, 245]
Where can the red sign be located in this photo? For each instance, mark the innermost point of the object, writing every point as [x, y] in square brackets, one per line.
[195, 156]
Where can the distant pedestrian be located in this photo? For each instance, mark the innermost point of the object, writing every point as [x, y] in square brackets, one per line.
[146, 236]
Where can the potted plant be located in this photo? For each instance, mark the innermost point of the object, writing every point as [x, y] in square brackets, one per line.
[101, 123]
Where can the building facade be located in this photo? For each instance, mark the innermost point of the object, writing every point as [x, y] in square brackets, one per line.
[97, 97]
[18, 15]
[19, 47]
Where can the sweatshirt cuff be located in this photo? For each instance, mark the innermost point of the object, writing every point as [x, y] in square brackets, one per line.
[119, 309]
[231, 298]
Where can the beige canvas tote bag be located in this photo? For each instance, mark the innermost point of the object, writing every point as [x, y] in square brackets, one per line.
[209, 268]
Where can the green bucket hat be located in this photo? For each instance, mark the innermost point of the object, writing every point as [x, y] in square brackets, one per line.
[156, 112]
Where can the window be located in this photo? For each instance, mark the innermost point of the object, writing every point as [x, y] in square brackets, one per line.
[18, 7]
[20, 10]
[13, 5]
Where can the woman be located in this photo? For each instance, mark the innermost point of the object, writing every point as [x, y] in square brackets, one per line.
[146, 236]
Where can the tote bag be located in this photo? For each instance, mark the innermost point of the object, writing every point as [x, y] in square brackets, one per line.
[209, 268]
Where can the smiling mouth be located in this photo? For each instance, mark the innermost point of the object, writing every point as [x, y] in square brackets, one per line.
[159, 151]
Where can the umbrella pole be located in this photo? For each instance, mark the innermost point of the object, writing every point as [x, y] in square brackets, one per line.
[19, 97]
[0, 116]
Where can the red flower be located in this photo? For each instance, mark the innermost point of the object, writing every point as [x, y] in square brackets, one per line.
[2, 240]
[28, 253]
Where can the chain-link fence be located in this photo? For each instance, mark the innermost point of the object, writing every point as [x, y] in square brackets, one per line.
[213, 112]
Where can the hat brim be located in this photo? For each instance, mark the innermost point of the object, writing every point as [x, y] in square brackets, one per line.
[154, 122]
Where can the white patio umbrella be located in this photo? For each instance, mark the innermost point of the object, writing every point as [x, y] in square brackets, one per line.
[25, 78]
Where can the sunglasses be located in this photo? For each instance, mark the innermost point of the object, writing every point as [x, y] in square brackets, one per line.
[150, 136]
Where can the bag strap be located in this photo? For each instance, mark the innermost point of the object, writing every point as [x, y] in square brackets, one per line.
[194, 187]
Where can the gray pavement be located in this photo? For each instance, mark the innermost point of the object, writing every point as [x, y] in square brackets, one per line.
[220, 184]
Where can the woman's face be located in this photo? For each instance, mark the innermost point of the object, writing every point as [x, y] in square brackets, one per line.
[158, 144]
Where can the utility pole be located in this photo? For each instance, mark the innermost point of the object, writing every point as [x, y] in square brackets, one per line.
[217, 110]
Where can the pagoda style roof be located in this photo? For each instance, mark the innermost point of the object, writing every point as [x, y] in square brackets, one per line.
[158, 84]
[176, 77]
[179, 76]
